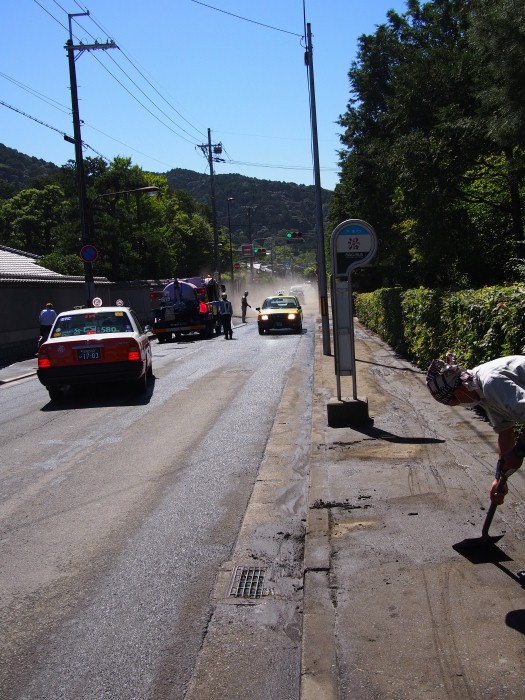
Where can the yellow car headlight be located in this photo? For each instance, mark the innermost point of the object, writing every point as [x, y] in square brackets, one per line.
[291, 317]
[264, 317]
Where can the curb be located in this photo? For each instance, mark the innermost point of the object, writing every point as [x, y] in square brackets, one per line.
[8, 380]
[319, 658]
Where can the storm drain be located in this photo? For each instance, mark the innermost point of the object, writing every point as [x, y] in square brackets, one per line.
[247, 582]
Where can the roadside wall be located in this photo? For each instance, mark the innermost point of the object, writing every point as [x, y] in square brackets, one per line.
[22, 300]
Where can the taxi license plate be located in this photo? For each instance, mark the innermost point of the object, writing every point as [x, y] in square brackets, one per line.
[88, 354]
[278, 324]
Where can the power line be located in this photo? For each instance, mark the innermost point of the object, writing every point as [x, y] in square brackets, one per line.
[200, 133]
[53, 128]
[281, 167]
[149, 83]
[245, 19]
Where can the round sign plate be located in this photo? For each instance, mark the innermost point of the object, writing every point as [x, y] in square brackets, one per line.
[88, 253]
[237, 266]
[353, 243]
[119, 302]
[97, 301]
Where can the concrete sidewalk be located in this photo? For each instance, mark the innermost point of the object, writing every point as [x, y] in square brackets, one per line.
[391, 608]
[18, 370]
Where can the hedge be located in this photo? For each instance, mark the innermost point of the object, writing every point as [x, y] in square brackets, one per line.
[477, 325]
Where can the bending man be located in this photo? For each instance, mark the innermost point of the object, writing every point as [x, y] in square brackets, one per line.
[498, 387]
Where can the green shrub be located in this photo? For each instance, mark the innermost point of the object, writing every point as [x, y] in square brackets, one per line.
[478, 325]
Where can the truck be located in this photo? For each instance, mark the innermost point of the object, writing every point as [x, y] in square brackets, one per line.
[187, 305]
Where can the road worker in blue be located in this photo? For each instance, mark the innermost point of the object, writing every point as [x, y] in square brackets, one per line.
[226, 317]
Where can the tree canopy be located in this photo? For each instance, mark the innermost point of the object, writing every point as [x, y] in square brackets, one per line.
[432, 150]
[138, 237]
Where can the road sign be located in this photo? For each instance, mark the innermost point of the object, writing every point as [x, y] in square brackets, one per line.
[119, 302]
[353, 243]
[237, 266]
[247, 250]
[88, 253]
[97, 301]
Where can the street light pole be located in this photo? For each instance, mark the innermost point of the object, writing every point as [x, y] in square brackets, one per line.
[321, 256]
[230, 199]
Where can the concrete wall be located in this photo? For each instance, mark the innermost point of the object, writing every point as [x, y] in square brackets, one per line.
[22, 301]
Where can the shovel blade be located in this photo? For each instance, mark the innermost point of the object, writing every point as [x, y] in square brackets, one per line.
[478, 542]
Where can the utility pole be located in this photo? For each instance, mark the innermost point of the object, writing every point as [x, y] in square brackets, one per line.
[81, 176]
[210, 151]
[321, 257]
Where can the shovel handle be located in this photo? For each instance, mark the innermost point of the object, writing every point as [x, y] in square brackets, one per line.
[490, 513]
[488, 519]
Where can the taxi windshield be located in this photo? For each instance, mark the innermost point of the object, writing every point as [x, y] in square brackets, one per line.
[279, 303]
[92, 322]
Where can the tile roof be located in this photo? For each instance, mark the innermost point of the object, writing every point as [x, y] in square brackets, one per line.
[15, 264]
[21, 268]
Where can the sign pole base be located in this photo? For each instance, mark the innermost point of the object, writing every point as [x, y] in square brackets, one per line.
[348, 413]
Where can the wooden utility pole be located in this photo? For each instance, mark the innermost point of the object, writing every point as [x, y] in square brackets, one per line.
[81, 176]
[212, 151]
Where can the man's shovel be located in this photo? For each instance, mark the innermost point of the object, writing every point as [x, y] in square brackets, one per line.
[485, 540]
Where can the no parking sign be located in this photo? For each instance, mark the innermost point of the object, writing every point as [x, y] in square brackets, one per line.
[88, 253]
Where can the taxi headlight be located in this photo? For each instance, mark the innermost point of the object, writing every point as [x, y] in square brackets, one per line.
[291, 317]
[264, 317]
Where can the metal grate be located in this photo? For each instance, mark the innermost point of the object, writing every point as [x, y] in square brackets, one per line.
[247, 582]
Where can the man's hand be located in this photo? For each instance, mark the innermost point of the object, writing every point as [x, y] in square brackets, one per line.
[498, 496]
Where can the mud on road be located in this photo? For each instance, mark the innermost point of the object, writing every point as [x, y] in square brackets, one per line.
[397, 611]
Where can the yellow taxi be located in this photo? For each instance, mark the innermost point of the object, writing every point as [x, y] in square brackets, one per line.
[278, 312]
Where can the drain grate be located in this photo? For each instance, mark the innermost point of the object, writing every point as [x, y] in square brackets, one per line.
[247, 582]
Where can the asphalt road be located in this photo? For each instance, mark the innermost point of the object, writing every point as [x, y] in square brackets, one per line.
[119, 549]
[119, 518]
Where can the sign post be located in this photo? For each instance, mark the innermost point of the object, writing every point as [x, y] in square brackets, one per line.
[353, 243]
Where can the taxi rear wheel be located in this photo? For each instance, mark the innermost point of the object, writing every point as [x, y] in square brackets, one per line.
[57, 393]
[141, 384]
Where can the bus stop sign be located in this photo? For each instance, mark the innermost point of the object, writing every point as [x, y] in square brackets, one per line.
[353, 244]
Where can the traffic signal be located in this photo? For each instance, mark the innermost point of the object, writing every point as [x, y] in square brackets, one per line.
[262, 251]
[256, 250]
[293, 235]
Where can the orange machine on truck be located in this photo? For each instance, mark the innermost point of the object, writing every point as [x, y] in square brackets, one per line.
[187, 305]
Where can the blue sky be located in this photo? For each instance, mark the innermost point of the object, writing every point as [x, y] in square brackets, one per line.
[183, 68]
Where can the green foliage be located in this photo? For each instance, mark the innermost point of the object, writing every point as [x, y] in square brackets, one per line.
[19, 170]
[63, 264]
[273, 207]
[29, 218]
[381, 312]
[433, 144]
[422, 323]
[139, 237]
[478, 325]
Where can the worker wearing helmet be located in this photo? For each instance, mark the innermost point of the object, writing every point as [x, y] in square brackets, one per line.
[244, 306]
[226, 317]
